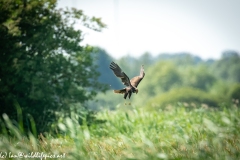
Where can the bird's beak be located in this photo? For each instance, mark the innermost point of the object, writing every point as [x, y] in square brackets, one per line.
[136, 91]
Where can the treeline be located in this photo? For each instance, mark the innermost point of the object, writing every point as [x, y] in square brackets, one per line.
[173, 78]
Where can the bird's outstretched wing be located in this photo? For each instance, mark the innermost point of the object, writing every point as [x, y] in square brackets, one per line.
[119, 73]
[136, 80]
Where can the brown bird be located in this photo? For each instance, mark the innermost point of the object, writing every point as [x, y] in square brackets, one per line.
[131, 85]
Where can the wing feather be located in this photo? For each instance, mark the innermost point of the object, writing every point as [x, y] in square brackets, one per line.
[136, 80]
[122, 91]
[120, 74]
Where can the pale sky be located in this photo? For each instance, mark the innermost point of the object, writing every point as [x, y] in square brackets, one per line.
[202, 27]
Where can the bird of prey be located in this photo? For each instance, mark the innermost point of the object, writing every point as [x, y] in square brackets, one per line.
[131, 85]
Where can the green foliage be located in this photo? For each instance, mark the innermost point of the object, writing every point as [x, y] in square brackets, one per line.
[180, 59]
[146, 59]
[139, 134]
[167, 72]
[42, 66]
[220, 89]
[228, 67]
[234, 92]
[160, 78]
[190, 96]
[103, 60]
[129, 65]
[107, 100]
[166, 75]
[197, 77]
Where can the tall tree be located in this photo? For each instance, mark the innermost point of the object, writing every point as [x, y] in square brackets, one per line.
[107, 77]
[43, 67]
[228, 67]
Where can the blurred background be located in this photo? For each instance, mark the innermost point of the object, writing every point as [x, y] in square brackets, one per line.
[203, 28]
[190, 49]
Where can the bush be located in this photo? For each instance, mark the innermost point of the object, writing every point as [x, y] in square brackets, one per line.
[184, 95]
[234, 92]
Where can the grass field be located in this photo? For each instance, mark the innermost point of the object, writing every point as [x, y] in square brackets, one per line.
[176, 133]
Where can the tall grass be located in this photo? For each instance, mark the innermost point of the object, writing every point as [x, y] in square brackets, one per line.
[177, 133]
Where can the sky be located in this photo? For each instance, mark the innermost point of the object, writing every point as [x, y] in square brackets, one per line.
[204, 28]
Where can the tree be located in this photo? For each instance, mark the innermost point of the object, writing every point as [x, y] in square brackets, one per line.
[159, 78]
[198, 77]
[181, 58]
[228, 67]
[107, 77]
[129, 65]
[146, 59]
[234, 93]
[43, 67]
[189, 95]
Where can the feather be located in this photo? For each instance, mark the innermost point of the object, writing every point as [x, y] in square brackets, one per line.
[119, 73]
[122, 91]
[131, 85]
[136, 80]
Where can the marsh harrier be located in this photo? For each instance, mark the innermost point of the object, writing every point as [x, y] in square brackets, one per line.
[131, 85]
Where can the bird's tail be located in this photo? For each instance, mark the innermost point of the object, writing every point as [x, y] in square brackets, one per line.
[121, 91]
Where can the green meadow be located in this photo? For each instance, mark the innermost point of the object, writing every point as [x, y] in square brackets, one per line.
[178, 132]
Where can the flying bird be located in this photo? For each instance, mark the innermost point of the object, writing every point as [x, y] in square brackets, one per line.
[131, 85]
